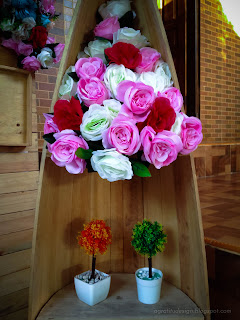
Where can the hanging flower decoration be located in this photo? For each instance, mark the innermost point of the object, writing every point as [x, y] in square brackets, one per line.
[125, 108]
[24, 28]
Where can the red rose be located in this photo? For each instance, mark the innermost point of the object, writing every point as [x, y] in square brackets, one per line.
[124, 53]
[162, 116]
[68, 114]
[38, 37]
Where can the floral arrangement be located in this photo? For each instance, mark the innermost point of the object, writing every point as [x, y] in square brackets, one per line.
[95, 238]
[148, 239]
[118, 111]
[24, 28]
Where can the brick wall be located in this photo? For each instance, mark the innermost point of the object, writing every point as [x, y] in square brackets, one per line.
[219, 75]
[45, 79]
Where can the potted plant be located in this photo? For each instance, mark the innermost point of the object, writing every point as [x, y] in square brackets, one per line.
[92, 286]
[148, 239]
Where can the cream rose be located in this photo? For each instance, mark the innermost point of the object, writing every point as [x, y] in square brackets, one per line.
[114, 8]
[115, 74]
[176, 127]
[164, 75]
[113, 107]
[67, 87]
[96, 48]
[111, 165]
[45, 57]
[94, 122]
[129, 35]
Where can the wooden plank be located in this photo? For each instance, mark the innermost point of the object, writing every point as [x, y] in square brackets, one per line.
[19, 162]
[117, 227]
[193, 266]
[16, 241]
[32, 147]
[121, 304]
[16, 109]
[14, 282]
[17, 221]
[13, 302]
[17, 201]
[20, 314]
[14, 262]
[15, 182]
[132, 213]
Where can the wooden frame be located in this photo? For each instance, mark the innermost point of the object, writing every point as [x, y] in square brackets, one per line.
[16, 107]
[67, 201]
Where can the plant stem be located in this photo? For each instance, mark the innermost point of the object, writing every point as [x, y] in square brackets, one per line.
[150, 266]
[93, 267]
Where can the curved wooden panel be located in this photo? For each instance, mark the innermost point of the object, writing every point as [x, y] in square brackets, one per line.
[66, 201]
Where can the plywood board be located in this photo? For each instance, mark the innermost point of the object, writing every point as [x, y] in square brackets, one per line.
[15, 110]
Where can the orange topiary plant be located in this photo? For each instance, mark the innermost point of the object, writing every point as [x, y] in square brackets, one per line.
[94, 238]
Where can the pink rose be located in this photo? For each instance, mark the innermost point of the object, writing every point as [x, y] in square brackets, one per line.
[31, 63]
[160, 149]
[191, 134]
[49, 125]
[47, 6]
[64, 148]
[25, 49]
[174, 96]
[92, 91]
[107, 27]
[90, 67]
[123, 135]
[138, 99]
[11, 44]
[50, 40]
[149, 58]
[58, 51]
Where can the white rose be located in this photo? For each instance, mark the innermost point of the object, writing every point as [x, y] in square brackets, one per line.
[129, 35]
[96, 48]
[111, 165]
[115, 74]
[113, 107]
[45, 57]
[164, 75]
[176, 127]
[29, 23]
[94, 122]
[67, 87]
[150, 79]
[82, 54]
[114, 8]
[21, 33]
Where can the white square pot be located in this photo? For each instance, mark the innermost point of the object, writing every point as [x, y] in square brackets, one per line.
[92, 294]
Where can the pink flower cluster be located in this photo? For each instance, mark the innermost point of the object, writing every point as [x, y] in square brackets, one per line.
[124, 113]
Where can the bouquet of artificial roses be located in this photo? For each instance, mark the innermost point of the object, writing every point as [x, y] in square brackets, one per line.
[118, 110]
[24, 28]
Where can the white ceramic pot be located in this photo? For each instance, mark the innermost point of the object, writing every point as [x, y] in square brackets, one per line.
[149, 290]
[92, 294]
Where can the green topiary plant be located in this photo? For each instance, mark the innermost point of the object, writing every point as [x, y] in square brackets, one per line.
[148, 239]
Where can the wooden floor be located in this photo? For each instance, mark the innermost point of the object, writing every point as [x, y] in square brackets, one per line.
[220, 205]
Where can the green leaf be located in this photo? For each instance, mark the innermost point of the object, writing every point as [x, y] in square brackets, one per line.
[139, 169]
[84, 153]
[49, 137]
[74, 76]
